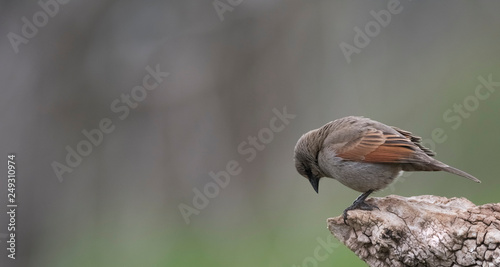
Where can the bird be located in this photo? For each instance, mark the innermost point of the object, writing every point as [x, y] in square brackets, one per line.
[364, 155]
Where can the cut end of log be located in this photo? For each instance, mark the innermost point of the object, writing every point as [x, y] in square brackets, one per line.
[422, 231]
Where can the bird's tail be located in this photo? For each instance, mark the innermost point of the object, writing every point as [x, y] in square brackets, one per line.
[459, 172]
[432, 164]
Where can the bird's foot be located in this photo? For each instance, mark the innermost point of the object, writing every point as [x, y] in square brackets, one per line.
[359, 204]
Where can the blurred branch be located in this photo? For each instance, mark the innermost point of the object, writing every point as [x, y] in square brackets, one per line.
[422, 231]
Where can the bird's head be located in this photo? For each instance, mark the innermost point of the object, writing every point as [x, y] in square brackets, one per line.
[306, 158]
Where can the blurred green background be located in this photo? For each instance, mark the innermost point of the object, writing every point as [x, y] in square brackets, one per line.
[230, 63]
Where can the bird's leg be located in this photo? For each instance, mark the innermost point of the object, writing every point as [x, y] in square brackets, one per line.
[360, 204]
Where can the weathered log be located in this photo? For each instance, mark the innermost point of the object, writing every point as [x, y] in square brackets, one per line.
[422, 231]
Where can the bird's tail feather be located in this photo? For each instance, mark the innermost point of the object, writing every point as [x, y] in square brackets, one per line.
[460, 173]
[436, 165]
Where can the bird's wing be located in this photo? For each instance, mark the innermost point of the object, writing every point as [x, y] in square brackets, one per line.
[415, 140]
[377, 146]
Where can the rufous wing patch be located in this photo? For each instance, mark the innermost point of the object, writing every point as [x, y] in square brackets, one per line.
[417, 140]
[379, 147]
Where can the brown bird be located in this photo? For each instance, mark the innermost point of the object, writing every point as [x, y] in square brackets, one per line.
[364, 155]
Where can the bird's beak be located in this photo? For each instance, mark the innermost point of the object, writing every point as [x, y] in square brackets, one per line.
[315, 183]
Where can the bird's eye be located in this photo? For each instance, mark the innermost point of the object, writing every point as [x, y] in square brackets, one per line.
[307, 171]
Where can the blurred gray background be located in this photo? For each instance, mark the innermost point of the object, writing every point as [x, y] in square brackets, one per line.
[230, 64]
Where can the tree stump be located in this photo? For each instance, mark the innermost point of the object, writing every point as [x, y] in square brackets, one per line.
[422, 231]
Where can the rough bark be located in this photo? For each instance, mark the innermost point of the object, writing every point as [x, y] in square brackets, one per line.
[422, 231]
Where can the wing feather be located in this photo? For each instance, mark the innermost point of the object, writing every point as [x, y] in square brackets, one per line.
[377, 146]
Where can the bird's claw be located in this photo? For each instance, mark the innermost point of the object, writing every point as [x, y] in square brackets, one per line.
[361, 205]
